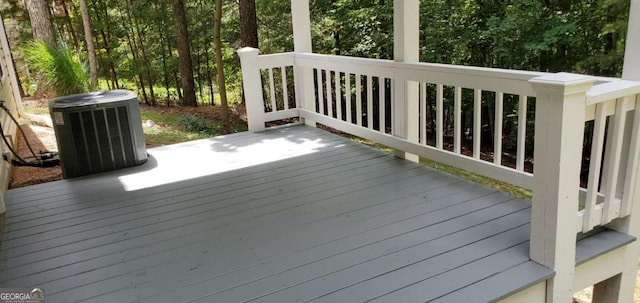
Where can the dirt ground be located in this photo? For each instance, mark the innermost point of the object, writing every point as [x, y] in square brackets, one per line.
[42, 139]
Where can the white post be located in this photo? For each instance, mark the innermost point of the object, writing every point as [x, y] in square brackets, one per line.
[301, 20]
[406, 37]
[252, 85]
[631, 66]
[559, 129]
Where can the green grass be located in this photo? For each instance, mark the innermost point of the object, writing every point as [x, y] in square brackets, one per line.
[511, 189]
[36, 110]
[515, 191]
[171, 136]
[162, 119]
[181, 128]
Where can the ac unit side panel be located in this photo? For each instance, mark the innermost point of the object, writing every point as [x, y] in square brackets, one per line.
[139, 148]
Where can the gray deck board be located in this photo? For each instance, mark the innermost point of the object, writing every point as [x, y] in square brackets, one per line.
[289, 215]
[515, 278]
[599, 242]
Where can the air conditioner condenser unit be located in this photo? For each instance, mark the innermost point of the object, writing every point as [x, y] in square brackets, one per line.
[98, 131]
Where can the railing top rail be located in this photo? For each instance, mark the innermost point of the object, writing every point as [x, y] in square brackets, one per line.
[512, 81]
[612, 90]
[276, 60]
[503, 80]
[498, 72]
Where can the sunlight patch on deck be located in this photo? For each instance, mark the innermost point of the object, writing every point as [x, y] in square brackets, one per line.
[180, 162]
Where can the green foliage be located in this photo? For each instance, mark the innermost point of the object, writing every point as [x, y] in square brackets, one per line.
[170, 136]
[171, 128]
[136, 39]
[275, 31]
[196, 125]
[575, 36]
[58, 69]
[159, 118]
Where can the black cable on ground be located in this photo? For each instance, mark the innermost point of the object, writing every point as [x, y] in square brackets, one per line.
[19, 128]
[46, 159]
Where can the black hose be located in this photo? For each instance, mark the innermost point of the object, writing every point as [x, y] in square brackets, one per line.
[19, 128]
[4, 138]
[46, 159]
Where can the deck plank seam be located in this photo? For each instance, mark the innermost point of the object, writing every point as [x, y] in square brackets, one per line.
[351, 149]
[124, 230]
[382, 274]
[98, 179]
[390, 252]
[524, 209]
[178, 236]
[206, 203]
[205, 191]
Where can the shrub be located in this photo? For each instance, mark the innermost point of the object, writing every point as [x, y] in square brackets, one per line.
[58, 70]
[198, 125]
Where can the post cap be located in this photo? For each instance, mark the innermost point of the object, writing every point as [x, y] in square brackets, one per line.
[247, 51]
[562, 83]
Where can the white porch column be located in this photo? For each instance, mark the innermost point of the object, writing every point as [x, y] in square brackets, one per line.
[301, 20]
[559, 129]
[631, 67]
[406, 41]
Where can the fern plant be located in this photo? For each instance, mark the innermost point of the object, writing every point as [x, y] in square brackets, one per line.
[58, 70]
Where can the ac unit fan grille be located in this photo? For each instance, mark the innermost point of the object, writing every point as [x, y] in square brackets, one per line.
[102, 139]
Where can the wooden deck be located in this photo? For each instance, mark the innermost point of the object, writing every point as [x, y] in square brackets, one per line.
[289, 215]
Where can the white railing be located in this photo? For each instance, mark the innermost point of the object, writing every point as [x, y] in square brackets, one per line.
[440, 112]
[614, 152]
[277, 71]
[365, 90]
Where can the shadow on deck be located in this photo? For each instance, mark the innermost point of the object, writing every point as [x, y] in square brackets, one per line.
[288, 215]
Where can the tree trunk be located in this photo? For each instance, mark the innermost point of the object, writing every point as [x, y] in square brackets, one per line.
[130, 35]
[105, 33]
[145, 61]
[174, 73]
[40, 16]
[165, 71]
[219, 65]
[112, 69]
[91, 50]
[67, 18]
[184, 54]
[248, 23]
[208, 73]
